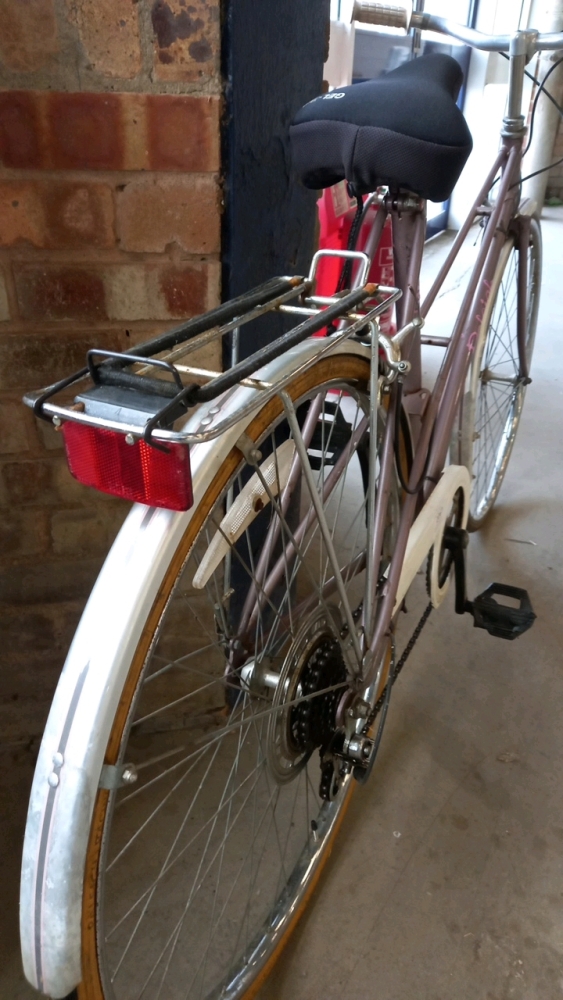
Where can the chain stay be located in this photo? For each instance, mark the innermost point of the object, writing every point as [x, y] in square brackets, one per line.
[396, 670]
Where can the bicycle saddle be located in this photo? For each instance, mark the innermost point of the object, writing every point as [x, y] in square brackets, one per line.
[404, 130]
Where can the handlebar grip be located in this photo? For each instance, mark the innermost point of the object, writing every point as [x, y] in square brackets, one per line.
[371, 12]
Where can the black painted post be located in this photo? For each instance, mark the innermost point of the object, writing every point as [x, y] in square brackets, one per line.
[273, 55]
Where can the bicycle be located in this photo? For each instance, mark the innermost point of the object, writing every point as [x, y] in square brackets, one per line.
[228, 684]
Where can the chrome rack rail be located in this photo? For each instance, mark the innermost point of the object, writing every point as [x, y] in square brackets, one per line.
[143, 406]
[181, 340]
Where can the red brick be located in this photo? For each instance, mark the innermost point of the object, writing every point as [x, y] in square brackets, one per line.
[30, 361]
[153, 292]
[109, 33]
[61, 131]
[127, 295]
[29, 483]
[183, 133]
[97, 131]
[48, 582]
[85, 131]
[41, 483]
[56, 215]
[184, 290]
[49, 130]
[4, 304]
[41, 633]
[14, 422]
[187, 39]
[135, 144]
[20, 130]
[69, 490]
[152, 214]
[51, 293]
[23, 533]
[21, 214]
[88, 531]
[29, 33]
[79, 215]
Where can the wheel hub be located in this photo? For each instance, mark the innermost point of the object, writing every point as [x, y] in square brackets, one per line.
[305, 722]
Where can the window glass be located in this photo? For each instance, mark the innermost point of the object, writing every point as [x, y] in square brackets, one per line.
[334, 10]
[456, 10]
[379, 50]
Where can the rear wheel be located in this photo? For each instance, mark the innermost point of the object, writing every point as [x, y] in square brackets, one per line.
[197, 872]
[494, 394]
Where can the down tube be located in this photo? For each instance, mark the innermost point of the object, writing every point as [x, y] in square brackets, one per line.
[475, 302]
[431, 437]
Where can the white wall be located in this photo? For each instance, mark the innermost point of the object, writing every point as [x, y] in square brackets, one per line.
[338, 67]
[485, 102]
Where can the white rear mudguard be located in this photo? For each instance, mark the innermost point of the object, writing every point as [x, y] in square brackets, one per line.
[70, 760]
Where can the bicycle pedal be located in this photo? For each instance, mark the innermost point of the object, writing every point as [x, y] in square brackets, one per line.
[500, 619]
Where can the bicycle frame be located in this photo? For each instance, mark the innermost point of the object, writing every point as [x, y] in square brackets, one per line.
[432, 417]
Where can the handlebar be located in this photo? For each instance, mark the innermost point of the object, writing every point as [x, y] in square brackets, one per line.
[371, 12]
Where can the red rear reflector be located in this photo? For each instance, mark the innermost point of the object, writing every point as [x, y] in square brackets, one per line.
[137, 472]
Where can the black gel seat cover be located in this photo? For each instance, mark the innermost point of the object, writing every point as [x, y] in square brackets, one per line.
[403, 130]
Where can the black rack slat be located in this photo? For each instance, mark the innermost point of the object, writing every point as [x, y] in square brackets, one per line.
[216, 317]
[110, 371]
[246, 368]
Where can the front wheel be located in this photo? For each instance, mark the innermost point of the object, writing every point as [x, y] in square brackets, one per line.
[494, 392]
[197, 872]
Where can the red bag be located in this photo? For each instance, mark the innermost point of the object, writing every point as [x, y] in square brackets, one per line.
[336, 214]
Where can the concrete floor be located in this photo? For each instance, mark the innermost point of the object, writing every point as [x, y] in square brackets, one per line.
[447, 879]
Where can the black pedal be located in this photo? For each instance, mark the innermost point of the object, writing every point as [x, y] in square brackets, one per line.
[500, 619]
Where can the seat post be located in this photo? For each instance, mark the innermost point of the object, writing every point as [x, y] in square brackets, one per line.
[409, 231]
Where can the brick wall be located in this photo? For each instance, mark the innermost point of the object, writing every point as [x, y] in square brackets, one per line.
[109, 230]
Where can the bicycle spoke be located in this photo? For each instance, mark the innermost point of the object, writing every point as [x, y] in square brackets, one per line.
[498, 391]
[221, 828]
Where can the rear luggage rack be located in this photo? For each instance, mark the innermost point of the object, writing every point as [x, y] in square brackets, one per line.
[121, 392]
[119, 429]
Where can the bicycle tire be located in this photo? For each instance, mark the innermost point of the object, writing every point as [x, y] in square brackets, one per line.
[492, 405]
[348, 377]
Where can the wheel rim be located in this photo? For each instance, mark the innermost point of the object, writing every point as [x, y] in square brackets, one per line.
[203, 951]
[497, 392]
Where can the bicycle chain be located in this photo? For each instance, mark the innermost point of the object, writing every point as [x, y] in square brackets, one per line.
[397, 669]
